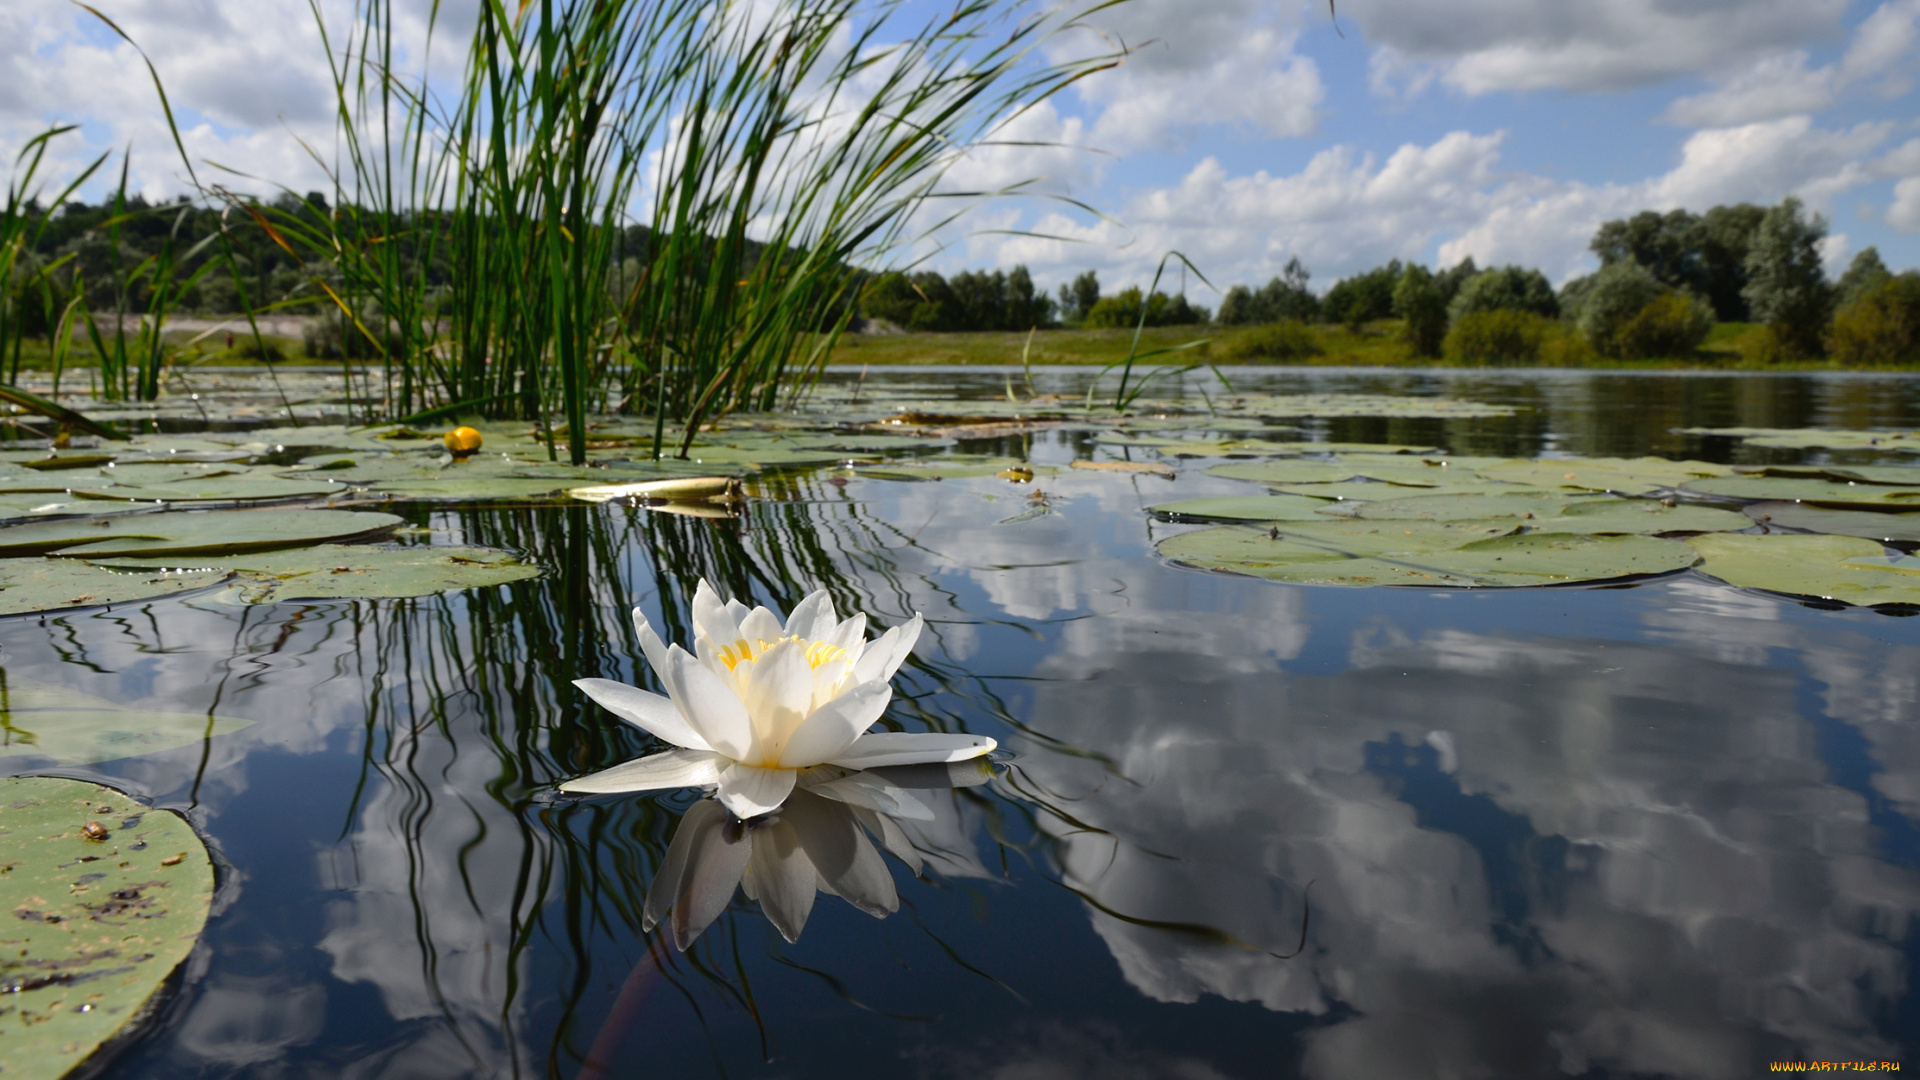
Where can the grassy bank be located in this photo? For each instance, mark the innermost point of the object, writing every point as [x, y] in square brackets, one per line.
[1379, 344]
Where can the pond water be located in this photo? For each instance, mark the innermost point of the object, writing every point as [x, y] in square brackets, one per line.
[1246, 829]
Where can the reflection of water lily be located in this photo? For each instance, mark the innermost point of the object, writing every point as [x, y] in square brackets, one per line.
[811, 844]
[756, 702]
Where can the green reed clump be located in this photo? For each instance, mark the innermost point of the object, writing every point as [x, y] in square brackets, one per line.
[770, 151]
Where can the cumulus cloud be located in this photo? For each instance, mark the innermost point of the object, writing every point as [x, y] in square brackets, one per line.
[1781, 84]
[1482, 46]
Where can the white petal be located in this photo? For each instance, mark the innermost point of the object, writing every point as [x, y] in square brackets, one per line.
[647, 711]
[880, 748]
[884, 657]
[867, 790]
[761, 624]
[834, 726]
[777, 694]
[841, 854]
[750, 792]
[673, 769]
[812, 617]
[713, 627]
[710, 706]
[850, 635]
[650, 643]
[780, 876]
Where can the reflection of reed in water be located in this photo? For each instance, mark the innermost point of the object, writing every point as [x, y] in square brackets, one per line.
[456, 868]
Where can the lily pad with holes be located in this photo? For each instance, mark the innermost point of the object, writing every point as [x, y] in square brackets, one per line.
[73, 728]
[94, 926]
[1244, 508]
[1848, 569]
[1890, 528]
[210, 532]
[1627, 476]
[352, 572]
[33, 586]
[1418, 558]
[1795, 489]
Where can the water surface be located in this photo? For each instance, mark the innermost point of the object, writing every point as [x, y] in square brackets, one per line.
[1661, 828]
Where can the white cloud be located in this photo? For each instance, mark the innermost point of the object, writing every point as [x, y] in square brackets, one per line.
[1481, 46]
[1200, 63]
[1781, 84]
[1904, 214]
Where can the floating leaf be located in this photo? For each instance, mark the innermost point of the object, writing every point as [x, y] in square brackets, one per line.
[207, 532]
[1304, 471]
[1357, 491]
[1150, 468]
[1890, 528]
[94, 927]
[42, 720]
[1466, 505]
[1818, 439]
[1245, 508]
[955, 467]
[1844, 568]
[1628, 476]
[1638, 516]
[1461, 556]
[674, 488]
[32, 586]
[1793, 489]
[342, 572]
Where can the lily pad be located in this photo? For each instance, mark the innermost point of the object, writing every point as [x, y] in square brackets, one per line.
[1599, 517]
[355, 572]
[957, 467]
[1793, 489]
[208, 532]
[1889, 528]
[96, 925]
[1495, 561]
[1461, 505]
[1412, 473]
[1357, 491]
[1818, 439]
[32, 586]
[1627, 476]
[43, 720]
[1244, 508]
[1844, 568]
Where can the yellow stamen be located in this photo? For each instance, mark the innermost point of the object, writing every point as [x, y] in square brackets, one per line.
[818, 652]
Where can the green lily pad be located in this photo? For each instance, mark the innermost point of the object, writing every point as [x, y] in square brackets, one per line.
[1417, 559]
[1889, 528]
[1336, 405]
[1244, 508]
[1818, 439]
[1358, 491]
[1303, 471]
[957, 467]
[1793, 489]
[1598, 517]
[32, 586]
[95, 926]
[354, 572]
[1844, 568]
[1466, 505]
[1627, 476]
[209, 532]
[43, 720]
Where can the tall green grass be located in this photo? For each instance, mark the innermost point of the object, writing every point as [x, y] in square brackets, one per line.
[770, 151]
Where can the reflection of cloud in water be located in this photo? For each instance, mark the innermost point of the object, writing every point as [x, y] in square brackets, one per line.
[1057, 1052]
[241, 1020]
[1639, 863]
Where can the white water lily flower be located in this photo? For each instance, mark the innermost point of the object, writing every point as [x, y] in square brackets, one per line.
[758, 701]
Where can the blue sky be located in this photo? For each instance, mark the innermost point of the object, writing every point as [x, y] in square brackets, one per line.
[1240, 132]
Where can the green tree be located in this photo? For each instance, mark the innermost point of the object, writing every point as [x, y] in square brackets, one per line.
[1450, 281]
[1863, 275]
[1284, 297]
[1077, 300]
[1505, 288]
[1612, 297]
[1418, 300]
[1881, 325]
[1364, 297]
[1786, 287]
